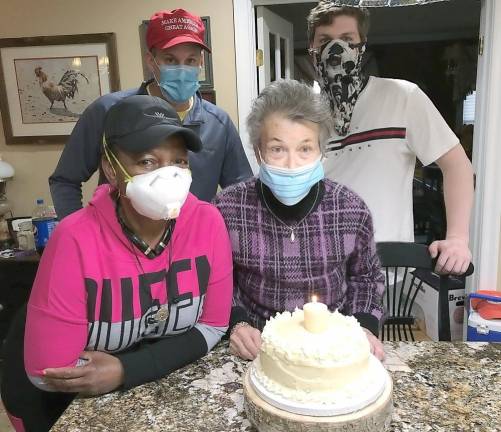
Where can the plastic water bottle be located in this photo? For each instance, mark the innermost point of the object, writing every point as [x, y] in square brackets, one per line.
[43, 225]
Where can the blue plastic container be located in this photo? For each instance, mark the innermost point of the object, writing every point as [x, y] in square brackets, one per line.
[43, 230]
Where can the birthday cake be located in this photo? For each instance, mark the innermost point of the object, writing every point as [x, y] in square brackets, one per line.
[331, 366]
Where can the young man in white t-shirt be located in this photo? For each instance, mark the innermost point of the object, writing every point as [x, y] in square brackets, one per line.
[380, 127]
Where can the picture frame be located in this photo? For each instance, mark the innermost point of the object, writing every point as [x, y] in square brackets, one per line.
[206, 78]
[46, 82]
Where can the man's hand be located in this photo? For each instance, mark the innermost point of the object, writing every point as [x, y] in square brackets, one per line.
[454, 257]
[245, 342]
[101, 374]
[377, 347]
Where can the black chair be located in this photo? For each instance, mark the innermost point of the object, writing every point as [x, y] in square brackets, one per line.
[406, 267]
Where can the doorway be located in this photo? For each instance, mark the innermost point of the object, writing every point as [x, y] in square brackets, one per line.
[434, 46]
[485, 226]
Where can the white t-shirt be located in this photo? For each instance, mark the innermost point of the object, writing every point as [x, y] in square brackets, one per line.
[393, 122]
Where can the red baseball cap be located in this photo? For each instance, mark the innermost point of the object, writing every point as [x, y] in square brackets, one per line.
[169, 28]
[487, 309]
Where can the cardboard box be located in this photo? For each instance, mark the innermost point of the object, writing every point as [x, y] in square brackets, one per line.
[426, 308]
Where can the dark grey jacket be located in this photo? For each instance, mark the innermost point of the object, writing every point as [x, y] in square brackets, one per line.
[221, 162]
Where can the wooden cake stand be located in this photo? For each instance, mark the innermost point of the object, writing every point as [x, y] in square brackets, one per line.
[265, 417]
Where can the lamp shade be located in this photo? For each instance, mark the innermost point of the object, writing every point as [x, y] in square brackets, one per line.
[6, 170]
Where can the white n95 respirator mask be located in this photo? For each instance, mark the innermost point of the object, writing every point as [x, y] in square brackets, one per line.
[159, 194]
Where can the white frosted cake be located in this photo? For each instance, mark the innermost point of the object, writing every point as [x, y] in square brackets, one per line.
[333, 366]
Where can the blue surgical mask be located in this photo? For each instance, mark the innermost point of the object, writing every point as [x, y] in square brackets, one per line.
[178, 82]
[291, 185]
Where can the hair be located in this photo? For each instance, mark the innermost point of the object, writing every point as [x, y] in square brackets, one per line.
[295, 101]
[325, 12]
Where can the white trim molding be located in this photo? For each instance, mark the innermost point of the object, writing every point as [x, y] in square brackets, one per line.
[245, 56]
[485, 226]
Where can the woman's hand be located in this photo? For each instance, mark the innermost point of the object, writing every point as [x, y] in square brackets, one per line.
[377, 347]
[100, 374]
[245, 341]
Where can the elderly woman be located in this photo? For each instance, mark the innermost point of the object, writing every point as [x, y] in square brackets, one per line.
[295, 234]
[134, 286]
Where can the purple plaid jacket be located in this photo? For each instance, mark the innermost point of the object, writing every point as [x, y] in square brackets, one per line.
[333, 255]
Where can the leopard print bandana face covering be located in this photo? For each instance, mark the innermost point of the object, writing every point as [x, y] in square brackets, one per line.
[338, 66]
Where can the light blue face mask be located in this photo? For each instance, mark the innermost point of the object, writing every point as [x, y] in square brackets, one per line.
[179, 82]
[291, 185]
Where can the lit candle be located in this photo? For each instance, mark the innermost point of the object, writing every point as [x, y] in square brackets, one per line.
[316, 316]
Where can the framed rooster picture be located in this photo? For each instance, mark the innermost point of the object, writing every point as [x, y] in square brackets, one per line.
[46, 82]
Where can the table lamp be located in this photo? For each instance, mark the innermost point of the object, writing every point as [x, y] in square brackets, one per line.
[6, 173]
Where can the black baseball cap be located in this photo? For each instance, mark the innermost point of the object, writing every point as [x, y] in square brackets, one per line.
[139, 123]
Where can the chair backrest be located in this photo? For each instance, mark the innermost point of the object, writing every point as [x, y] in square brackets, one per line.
[401, 254]
[405, 265]
[399, 260]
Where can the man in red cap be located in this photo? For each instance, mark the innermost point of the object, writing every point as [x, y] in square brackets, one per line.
[175, 42]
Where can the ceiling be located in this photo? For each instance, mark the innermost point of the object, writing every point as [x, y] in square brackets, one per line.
[454, 19]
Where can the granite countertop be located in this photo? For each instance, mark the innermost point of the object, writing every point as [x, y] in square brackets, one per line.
[438, 386]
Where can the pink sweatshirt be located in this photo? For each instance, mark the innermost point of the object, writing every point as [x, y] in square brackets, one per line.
[94, 290]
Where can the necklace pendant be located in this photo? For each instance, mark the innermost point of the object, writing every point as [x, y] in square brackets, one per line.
[293, 237]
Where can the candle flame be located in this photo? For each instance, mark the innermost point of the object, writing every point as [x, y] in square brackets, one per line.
[314, 299]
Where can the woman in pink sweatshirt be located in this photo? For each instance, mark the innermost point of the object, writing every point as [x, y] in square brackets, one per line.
[130, 288]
